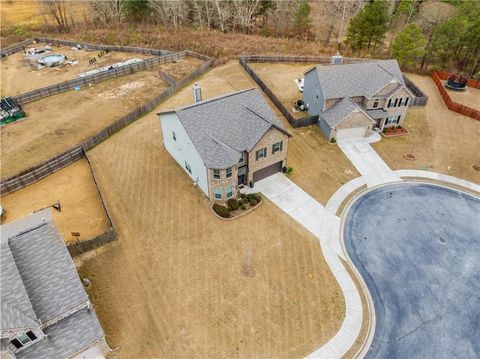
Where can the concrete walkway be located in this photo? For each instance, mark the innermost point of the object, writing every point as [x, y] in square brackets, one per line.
[324, 225]
[370, 165]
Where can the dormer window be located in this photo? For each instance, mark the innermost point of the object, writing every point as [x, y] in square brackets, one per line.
[23, 339]
[375, 104]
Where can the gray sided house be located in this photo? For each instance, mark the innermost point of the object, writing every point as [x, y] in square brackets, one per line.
[351, 100]
[45, 312]
[225, 142]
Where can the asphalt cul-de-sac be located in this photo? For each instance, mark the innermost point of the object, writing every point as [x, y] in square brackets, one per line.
[417, 246]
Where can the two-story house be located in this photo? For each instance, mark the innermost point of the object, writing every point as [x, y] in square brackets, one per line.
[225, 142]
[353, 99]
[45, 311]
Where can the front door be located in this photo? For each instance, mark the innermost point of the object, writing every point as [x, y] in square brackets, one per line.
[242, 179]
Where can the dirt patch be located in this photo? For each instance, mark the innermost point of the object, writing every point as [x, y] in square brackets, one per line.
[280, 79]
[441, 140]
[74, 187]
[18, 77]
[470, 97]
[191, 284]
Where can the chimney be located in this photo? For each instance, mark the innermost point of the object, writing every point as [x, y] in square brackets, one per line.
[197, 92]
[336, 59]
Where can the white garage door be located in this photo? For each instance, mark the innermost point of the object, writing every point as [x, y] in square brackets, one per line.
[350, 133]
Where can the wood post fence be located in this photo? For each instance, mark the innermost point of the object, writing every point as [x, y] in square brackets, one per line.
[437, 77]
[52, 165]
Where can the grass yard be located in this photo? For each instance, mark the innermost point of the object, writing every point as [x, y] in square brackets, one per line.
[319, 168]
[74, 187]
[279, 77]
[470, 97]
[441, 140]
[57, 123]
[173, 284]
[18, 77]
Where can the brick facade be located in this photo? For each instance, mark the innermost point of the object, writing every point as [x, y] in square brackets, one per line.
[222, 183]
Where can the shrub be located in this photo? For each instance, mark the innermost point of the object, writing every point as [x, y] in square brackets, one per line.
[243, 196]
[253, 202]
[243, 207]
[333, 140]
[233, 204]
[289, 170]
[250, 196]
[240, 202]
[221, 210]
[257, 197]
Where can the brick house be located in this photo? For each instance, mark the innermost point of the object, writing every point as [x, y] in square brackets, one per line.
[226, 142]
[45, 311]
[351, 100]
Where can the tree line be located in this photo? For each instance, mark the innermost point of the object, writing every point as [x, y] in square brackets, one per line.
[419, 33]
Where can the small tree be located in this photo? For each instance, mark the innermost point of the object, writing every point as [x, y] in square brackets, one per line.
[302, 19]
[409, 45]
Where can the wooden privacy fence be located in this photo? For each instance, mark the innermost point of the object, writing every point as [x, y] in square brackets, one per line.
[452, 105]
[420, 98]
[101, 76]
[444, 75]
[295, 123]
[78, 248]
[54, 164]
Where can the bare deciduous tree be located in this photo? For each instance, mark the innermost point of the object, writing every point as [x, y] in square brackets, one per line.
[171, 13]
[58, 11]
[108, 12]
[244, 11]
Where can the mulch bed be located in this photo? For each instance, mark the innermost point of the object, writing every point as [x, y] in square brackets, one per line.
[394, 132]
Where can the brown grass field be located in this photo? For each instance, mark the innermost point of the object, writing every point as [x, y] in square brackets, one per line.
[179, 268]
[57, 123]
[441, 140]
[470, 97]
[74, 187]
[18, 77]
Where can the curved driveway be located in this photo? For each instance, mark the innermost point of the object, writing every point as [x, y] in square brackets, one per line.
[417, 247]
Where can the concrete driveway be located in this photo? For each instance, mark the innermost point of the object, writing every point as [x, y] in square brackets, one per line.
[370, 165]
[417, 247]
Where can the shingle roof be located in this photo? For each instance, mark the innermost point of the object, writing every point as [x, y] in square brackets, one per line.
[222, 128]
[376, 113]
[39, 282]
[339, 111]
[358, 79]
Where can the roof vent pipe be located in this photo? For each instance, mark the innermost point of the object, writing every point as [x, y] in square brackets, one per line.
[197, 92]
[336, 59]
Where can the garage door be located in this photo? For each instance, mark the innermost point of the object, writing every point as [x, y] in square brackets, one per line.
[267, 171]
[351, 133]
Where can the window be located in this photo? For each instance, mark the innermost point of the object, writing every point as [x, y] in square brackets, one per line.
[23, 339]
[317, 94]
[187, 166]
[218, 193]
[216, 174]
[229, 191]
[241, 159]
[261, 153]
[392, 119]
[390, 102]
[277, 147]
[229, 172]
[375, 104]
[403, 101]
[174, 136]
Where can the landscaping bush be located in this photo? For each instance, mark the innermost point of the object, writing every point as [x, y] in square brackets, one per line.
[233, 204]
[257, 197]
[333, 140]
[240, 202]
[253, 202]
[243, 207]
[249, 197]
[289, 170]
[221, 210]
[243, 196]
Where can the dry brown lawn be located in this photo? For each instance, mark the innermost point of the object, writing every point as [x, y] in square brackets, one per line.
[442, 140]
[172, 285]
[57, 123]
[18, 77]
[470, 97]
[319, 168]
[74, 187]
[280, 79]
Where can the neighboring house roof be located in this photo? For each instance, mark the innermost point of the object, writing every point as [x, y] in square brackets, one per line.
[358, 79]
[223, 127]
[39, 282]
[340, 110]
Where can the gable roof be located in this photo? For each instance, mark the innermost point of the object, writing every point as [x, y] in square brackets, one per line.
[340, 110]
[222, 128]
[358, 79]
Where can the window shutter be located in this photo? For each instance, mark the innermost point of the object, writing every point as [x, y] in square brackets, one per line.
[406, 101]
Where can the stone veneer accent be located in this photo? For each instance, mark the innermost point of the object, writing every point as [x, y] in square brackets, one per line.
[223, 183]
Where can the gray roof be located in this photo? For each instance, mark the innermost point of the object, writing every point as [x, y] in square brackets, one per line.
[39, 282]
[223, 127]
[66, 337]
[339, 111]
[376, 113]
[358, 79]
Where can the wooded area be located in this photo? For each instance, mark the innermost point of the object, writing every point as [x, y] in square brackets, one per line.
[420, 34]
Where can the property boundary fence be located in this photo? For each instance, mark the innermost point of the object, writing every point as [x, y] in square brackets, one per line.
[54, 164]
[7, 51]
[420, 99]
[166, 77]
[101, 76]
[444, 75]
[437, 77]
